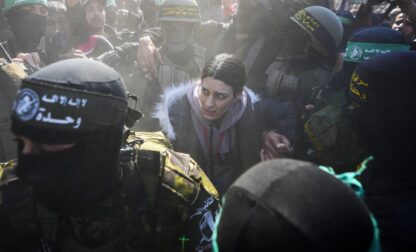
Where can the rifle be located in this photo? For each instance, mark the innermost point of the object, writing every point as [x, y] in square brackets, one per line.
[5, 53]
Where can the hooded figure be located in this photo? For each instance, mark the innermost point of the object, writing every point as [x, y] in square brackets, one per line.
[27, 21]
[289, 205]
[329, 128]
[63, 116]
[73, 188]
[381, 92]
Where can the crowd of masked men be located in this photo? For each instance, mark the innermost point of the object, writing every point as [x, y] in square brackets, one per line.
[207, 125]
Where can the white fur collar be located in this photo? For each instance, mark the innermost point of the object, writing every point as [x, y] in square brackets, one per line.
[173, 94]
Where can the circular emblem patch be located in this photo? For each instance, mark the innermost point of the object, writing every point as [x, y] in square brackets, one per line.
[300, 15]
[27, 104]
[355, 53]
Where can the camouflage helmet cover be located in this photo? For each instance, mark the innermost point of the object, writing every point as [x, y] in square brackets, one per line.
[323, 27]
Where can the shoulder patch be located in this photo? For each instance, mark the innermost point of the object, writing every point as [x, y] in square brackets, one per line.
[8, 172]
[185, 166]
[181, 174]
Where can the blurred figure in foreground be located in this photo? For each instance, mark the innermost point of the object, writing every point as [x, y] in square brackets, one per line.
[288, 205]
[381, 94]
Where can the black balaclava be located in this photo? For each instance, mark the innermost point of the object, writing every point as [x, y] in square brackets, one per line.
[73, 101]
[28, 28]
[288, 205]
[384, 89]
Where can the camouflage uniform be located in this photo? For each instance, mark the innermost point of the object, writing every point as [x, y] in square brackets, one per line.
[10, 75]
[171, 72]
[174, 212]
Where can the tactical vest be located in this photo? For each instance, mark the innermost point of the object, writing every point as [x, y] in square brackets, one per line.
[300, 85]
[10, 75]
[333, 136]
[173, 182]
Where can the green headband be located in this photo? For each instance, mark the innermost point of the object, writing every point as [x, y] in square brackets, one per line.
[345, 21]
[176, 12]
[358, 51]
[350, 180]
[9, 4]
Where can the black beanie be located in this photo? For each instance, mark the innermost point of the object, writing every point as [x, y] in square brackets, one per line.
[386, 80]
[288, 205]
[384, 88]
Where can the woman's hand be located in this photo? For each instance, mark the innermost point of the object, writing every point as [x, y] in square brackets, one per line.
[275, 146]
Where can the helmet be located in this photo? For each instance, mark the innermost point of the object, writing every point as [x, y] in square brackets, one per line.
[323, 27]
[179, 10]
[9, 4]
[281, 10]
[61, 103]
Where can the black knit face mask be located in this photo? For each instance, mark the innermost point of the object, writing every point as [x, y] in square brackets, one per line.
[28, 28]
[52, 175]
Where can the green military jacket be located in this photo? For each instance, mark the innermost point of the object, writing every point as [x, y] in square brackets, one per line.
[174, 210]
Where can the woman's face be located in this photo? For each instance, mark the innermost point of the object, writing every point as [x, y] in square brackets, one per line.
[215, 98]
[95, 14]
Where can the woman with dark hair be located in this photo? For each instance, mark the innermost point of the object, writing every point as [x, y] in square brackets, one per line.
[218, 123]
